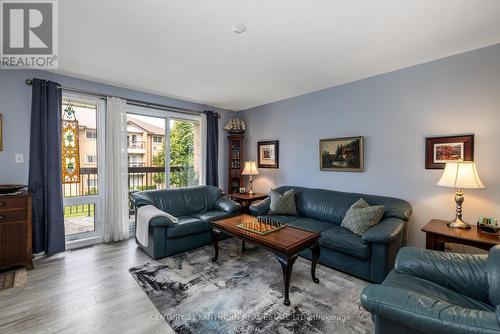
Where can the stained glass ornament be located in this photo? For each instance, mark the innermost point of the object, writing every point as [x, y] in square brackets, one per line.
[70, 146]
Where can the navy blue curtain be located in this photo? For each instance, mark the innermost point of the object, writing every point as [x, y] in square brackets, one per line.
[45, 167]
[212, 166]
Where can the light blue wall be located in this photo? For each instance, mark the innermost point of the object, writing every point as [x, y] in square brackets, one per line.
[394, 112]
[15, 106]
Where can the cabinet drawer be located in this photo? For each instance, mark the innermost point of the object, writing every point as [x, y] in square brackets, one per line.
[7, 216]
[7, 202]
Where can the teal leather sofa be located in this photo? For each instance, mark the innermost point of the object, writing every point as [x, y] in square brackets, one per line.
[437, 292]
[195, 207]
[370, 256]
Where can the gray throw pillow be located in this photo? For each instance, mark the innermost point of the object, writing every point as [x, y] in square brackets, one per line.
[282, 204]
[361, 217]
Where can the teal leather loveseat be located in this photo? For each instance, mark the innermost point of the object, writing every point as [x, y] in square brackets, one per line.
[370, 256]
[437, 292]
[194, 207]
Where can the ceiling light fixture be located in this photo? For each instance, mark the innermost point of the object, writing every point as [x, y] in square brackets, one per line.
[239, 28]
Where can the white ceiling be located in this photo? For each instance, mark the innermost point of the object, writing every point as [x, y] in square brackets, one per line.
[186, 48]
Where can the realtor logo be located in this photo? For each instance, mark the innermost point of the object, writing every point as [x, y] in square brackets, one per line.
[29, 34]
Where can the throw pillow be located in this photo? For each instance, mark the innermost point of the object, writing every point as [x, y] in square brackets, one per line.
[361, 217]
[282, 204]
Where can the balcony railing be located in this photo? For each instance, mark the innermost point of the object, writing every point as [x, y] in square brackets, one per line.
[135, 144]
[139, 179]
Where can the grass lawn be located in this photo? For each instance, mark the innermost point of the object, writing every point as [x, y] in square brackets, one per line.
[75, 211]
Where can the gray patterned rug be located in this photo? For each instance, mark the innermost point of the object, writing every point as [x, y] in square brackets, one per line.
[243, 294]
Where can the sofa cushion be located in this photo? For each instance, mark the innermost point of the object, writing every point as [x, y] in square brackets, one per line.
[210, 216]
[310, 224]
[361, 216]
[282, 204]
[428, 288]
[342, 240]
[187, 225]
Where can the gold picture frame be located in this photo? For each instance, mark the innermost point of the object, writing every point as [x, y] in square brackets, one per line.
[342, 154]
[1, 134]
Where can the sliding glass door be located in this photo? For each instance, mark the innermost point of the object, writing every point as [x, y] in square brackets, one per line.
[164, 150]
[83, 181]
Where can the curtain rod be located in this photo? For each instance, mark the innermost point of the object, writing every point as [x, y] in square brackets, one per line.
[137, 103]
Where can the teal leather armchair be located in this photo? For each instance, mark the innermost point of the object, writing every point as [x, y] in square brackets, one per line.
[370, 256]
[194, 207]
[437, 292]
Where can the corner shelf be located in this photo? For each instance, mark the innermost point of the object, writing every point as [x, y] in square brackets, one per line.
[235, 167]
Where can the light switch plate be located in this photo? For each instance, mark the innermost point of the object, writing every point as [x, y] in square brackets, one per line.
[19, 158]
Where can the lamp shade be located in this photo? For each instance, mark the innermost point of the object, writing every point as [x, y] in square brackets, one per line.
[250, 168]
[460, 175]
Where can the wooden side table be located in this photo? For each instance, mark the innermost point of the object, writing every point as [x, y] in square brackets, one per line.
[437, 233]
[246, 200]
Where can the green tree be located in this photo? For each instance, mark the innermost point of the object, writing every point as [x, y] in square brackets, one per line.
[181, 155]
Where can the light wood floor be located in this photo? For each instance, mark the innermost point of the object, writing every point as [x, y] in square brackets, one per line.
[82, 291]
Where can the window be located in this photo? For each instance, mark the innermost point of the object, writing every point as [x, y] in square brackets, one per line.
[91, 159]
[157, 140]
[185, 152]
[91, 134]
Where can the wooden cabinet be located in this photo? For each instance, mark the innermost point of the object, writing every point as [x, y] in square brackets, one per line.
[235, 163]
[15, 231]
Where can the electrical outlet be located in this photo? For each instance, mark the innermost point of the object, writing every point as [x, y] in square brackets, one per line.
[19, 158]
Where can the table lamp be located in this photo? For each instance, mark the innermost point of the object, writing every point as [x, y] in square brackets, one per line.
[460, 175]
[250, 169]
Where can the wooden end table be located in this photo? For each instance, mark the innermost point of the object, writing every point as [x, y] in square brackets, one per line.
[437, 233]
[246, 200]
[285, 243]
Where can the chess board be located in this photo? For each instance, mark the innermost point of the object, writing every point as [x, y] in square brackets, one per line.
[261, 226]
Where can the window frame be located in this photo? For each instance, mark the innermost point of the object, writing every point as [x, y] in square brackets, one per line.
[94, 160]
[93, 137]
[168, 116]
[97, 236]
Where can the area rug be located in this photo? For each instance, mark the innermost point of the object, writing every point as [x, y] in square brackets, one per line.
[11, 279]
[244, 294]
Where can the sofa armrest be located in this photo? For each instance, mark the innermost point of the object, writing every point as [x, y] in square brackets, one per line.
[139, 199]
[426, 313]
[385, 231]
[464, 273]
[261, 207]
[227, 204]
[161, 222]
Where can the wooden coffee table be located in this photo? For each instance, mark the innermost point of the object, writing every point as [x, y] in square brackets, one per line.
[285, 243]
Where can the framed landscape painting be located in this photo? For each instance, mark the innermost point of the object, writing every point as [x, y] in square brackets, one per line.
[342, 154]
[438, 150]
[268, 154]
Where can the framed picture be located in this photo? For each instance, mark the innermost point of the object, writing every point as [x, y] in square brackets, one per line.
[1, 134]
[438, 150]
[268, 154]
[342, 154]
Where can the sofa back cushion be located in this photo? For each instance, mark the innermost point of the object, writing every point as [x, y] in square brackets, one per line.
[494, 275]
[332, 206]
[182, 201]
